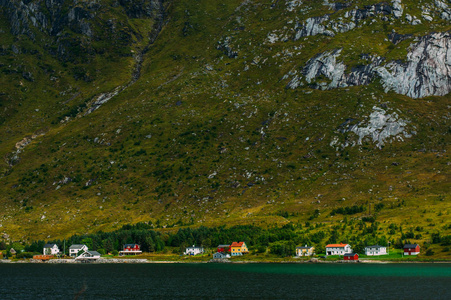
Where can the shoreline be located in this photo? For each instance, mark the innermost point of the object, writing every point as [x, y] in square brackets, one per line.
[146, 261]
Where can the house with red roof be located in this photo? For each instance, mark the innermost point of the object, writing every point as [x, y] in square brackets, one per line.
[131, 249]
[238, 248]
[223, 248]
[338, 249]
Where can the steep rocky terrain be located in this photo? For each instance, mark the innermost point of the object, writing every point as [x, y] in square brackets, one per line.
[212, 112]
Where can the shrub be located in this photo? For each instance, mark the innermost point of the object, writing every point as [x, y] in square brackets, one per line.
[430, 252]
[26, 255]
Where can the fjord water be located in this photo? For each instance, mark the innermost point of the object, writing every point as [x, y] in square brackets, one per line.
[225, 281]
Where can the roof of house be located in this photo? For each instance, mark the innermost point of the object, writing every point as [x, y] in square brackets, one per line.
[336, 245]
[411, 246]
[237, 244]
[194, 247]
[351, 254]
[94, 253]
[223, 246]
[49, 245]
[375, 246]
[130, 245]
[305, 247]
[77, 246]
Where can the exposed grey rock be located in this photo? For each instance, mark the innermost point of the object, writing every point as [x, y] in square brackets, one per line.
[445, 11]
[294, 83]
[224, 45]
[357, 15]
[318, 25]
[397, 8]
[313, 26]
[379, 127]
[340, 26]
[326, 64]
[292, 4]
[397, 38]
[337, 6]
[427, 71]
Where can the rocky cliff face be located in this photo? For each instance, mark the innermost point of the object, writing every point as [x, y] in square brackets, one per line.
[55, 19]
[426, 71]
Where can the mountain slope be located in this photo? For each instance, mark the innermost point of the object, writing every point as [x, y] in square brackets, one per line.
[204, 112]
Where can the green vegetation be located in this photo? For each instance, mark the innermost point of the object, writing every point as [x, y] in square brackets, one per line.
[264, 244]
[205, 139]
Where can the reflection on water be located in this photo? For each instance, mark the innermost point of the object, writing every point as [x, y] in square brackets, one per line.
[223, 281]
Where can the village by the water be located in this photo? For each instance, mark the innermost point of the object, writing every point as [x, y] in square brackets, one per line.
[132, 253]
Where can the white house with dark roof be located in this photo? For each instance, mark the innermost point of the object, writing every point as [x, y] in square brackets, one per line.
[193, 250]
[88, 255]
[375, 250]
[50, 249]
[75, 249]
[305, 251]
[220, 255]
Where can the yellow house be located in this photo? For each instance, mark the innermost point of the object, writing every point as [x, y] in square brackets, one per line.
[305, 251]
[238, 248]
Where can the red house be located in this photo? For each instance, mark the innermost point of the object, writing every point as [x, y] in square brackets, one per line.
[411, 249]
[131, 249]
[223, 248]
[351, 256]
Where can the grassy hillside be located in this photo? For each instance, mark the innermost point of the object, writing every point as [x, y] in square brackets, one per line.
[210, 135]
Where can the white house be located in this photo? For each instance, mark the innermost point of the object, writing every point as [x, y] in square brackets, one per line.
[194, 250]
[50, 249]
[88, 255]
[375, 250]
[338, 249]
[76, 248]
[305, 251]
[220, 255]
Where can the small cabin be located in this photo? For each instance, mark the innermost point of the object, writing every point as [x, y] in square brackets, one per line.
[351, 256]
[131, 249]
[411, 249]
[220, 255]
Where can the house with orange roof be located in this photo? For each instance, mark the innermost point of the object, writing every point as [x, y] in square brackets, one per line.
[238, 248]
[338, 249]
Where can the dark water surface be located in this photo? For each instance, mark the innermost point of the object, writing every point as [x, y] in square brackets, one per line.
[225, 281]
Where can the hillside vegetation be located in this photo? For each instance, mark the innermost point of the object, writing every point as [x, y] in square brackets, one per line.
[223, 113]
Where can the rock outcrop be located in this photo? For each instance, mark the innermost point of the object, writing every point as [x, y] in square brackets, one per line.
[327, 65]
[379, 127]
[54, 18]
[426, 71]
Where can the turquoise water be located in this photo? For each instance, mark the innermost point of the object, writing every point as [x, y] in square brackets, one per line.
[225, 281]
